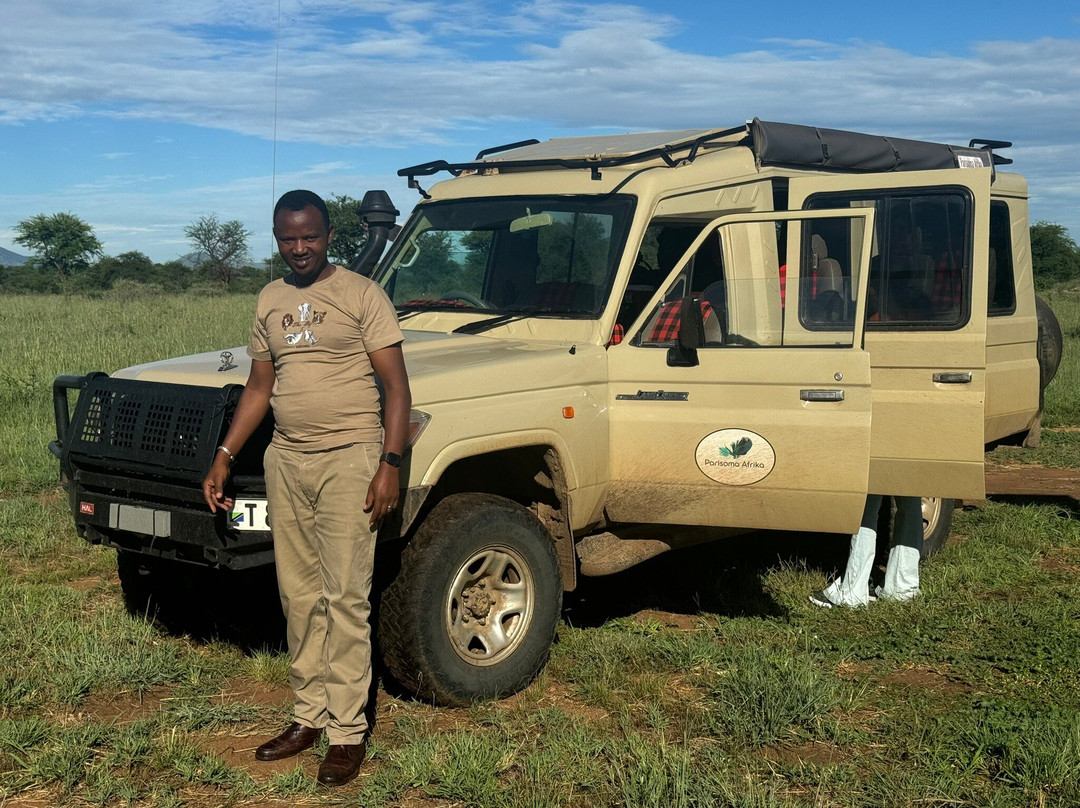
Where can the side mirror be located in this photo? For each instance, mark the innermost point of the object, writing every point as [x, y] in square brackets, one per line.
[691, 334]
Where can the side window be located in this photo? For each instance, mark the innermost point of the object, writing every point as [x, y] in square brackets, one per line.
[828, 275]
[1002, 289]
[733, 276]
[920, 267]
[661, 248]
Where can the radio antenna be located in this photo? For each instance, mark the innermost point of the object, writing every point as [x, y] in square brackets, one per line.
[273, 168]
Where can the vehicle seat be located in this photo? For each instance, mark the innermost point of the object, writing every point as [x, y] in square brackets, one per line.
[923, 266]
[715, 294]
[617, 334]
[826, 275]
[639, 291]
[663, 327]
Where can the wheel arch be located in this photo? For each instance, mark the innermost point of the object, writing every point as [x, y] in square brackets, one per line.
[458, 451]
[530, 471]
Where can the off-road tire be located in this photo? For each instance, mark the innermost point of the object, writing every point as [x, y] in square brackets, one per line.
[159, 590]
[1048, 350]
[428, 612]
[937, 519]
[240, 606]
[1050, 342]
[137, 582]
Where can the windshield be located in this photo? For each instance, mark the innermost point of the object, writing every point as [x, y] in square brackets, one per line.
[525, 255]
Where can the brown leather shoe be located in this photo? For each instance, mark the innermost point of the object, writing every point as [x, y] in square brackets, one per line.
[342, 763]
[294, 740]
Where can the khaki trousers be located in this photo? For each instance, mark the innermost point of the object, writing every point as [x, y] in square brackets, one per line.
[324, 551]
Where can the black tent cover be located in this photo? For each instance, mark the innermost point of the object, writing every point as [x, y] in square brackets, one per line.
[796, 145]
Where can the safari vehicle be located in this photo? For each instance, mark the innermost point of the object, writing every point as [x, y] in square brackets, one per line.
[620, 345]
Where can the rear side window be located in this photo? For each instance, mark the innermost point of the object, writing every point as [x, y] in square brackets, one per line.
[1002, 288]
[920, 268]
[748, 294]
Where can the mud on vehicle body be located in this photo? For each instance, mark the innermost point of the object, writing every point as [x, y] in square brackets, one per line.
[618, 346]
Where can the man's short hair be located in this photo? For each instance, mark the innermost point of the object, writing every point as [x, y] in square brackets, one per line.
[298, 200]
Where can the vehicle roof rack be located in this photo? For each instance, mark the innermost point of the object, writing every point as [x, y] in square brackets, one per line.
[780, 144]
[592, 153]
[990, 145]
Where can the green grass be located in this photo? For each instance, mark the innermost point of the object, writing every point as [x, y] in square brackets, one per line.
[1058, 448]
[966, 696]
[53, 335]
[1062, 405]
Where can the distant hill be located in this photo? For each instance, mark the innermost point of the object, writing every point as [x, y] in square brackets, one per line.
[193, 260]
[11, 259]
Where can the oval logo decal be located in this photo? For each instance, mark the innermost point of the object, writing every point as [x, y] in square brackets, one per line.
[735, 457]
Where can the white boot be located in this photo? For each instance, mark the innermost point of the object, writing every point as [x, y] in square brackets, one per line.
[901, 574]
[853, 589]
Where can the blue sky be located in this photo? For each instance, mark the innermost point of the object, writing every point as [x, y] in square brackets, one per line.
[140, 117]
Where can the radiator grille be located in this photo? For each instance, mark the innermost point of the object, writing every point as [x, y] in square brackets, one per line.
[173, 428]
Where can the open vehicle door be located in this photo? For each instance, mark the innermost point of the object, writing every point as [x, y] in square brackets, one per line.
[759, 416]
[926, 329]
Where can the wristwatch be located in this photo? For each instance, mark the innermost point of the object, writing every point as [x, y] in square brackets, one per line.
[391, 459]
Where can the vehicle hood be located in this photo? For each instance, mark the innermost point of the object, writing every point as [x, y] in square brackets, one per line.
[441, 366]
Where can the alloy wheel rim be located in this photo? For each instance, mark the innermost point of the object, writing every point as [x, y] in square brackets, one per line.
[931, 514]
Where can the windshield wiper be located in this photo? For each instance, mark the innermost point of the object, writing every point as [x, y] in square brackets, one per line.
[479, 326]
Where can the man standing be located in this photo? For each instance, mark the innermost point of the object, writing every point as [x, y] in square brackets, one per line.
[319, 336]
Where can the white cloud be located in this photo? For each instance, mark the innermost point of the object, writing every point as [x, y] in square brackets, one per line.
[406, 71]
[389, 73]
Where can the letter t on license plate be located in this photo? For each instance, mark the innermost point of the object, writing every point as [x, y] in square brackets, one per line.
[249, 514]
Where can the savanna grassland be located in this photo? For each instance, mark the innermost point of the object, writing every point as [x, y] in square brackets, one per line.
[704, 678]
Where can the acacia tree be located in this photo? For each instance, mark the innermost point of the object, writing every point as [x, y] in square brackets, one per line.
[64, 243]
[1054, 255]
[350, 235]
[225, 245]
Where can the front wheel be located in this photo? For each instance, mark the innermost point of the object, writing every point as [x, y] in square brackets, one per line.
[472, 612]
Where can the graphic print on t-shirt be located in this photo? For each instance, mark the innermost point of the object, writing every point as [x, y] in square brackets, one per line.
[303, 326]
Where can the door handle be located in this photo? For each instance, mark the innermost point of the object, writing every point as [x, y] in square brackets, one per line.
[953, 378]
[821, 395]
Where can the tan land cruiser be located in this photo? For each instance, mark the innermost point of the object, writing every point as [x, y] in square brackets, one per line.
[619, 345]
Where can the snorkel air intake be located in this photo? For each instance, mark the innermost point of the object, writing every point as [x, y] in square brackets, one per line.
[378, 214]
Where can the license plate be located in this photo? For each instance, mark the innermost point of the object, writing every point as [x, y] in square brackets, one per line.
[249, 514]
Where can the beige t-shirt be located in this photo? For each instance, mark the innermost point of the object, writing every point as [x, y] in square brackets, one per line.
[319, 338]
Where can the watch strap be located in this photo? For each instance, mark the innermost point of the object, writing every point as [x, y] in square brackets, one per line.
[391, 459]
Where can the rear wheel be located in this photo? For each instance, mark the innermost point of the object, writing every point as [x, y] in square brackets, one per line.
[472, 611]
[937, 514]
